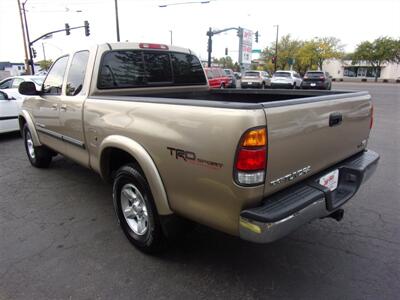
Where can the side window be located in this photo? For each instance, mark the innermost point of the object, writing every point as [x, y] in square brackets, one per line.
[158, 67]
[187, 69]
[54, 80]
[16, 82]
[121, 69]
[76, 73]
[6, 84]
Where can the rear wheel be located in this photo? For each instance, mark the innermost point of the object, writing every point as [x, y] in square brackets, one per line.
[39, 156]
[136, 211]
[263, 85]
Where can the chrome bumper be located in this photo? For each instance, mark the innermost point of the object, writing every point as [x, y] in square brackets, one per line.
[306, 201]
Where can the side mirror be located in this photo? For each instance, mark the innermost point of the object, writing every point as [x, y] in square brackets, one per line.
[27, 88]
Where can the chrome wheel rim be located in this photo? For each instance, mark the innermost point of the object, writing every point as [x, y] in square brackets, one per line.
[134, 209]
[29, 144]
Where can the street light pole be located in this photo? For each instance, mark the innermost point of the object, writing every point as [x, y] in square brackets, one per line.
[116, 19]
[29, 42]
[171, 35]
[276, 46]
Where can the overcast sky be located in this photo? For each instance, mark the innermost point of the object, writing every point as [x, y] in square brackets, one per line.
[352, 21]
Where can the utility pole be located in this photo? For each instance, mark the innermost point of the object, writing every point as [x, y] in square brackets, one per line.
[27, 66]
[29, 42]
[171, 35]
[276, 46]
[116, 19]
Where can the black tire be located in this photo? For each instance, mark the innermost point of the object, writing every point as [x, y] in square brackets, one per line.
[222, 86]
[263, 86]
[152, 239]
[39, 157]
[294, 85]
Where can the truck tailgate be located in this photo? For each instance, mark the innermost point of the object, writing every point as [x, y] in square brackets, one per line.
[306, 136]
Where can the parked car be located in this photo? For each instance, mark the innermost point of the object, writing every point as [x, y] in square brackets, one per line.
[217, 78]
[232, 78]
[255, 79]
[9, 111]
[11, 84]
[234, 160]
[286, 79]
[317, 80]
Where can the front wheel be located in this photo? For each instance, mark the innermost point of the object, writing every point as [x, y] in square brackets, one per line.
[39, 156]
[136, 211]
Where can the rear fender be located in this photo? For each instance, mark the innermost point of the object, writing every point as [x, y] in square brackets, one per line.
[146, 163]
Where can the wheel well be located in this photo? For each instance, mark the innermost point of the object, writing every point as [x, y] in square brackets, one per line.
[112, 159]
[22, 123]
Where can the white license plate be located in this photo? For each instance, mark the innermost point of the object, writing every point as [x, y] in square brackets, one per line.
[250, 83]
[330, 180]
[312, 84]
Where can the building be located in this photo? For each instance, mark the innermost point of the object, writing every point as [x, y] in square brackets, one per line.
[345, 70]
[8, 69]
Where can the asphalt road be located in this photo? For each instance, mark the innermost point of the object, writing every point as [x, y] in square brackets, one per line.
[59, 238]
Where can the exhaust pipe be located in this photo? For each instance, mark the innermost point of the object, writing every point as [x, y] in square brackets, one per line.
[337, 215]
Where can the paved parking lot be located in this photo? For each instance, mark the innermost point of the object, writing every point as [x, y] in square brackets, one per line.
[59, 238]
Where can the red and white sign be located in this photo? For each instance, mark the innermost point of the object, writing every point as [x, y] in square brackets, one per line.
[247, 41]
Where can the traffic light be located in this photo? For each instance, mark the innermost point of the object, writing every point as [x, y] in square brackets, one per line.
[87, 29]
[34, 53]
[67, 29]
[257, 36]
[226, 51]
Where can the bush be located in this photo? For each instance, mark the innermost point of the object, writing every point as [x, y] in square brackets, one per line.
[385, 80]
[341, 79]
[398, 80]
[333, 79]
[364, 80]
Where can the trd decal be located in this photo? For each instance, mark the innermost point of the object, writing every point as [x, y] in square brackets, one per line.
[192, 158]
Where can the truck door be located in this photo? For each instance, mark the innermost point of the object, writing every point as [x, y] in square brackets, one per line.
[46, 110]
[71, 106]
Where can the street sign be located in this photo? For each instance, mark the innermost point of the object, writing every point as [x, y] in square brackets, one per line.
[256, 51]
[247, 41]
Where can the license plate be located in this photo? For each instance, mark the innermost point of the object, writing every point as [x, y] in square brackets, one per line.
[250, 83]
[330, 180]
[312, 84]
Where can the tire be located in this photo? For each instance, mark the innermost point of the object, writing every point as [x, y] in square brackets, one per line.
[136, 211]
[294, 85]
[39, 157]
[222, 86]
[263, 86]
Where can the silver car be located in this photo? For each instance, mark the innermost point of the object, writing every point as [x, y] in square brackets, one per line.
[255, 79]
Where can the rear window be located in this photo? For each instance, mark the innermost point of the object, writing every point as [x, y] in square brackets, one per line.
[282, 74]
[252, 74]
[314, 74]
[136, 68]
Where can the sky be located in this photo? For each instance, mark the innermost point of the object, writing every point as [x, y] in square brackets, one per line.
[352, 21]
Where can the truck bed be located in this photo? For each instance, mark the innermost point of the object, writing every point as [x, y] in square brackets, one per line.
[235, 98]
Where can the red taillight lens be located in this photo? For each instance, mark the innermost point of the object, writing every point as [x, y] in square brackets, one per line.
[371, 122]
[251, 160]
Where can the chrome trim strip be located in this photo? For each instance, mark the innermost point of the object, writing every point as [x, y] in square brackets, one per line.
[56, 135]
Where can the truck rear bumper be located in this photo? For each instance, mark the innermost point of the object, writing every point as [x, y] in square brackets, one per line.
[287, 210]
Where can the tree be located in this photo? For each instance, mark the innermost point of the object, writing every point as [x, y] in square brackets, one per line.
[45, 64]
[224, 62]
[382, 50]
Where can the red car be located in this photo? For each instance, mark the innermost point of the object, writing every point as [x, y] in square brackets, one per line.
[217, 78]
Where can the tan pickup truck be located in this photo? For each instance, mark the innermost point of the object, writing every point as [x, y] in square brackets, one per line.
[252, 163]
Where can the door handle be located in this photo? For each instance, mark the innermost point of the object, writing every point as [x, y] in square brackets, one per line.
[335, 119]
[63, 107]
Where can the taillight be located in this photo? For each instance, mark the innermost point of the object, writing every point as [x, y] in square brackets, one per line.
[322, 78]
[371, 122]
[153, 46]
[251, 157]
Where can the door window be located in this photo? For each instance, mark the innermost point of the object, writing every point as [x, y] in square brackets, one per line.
[76, 74]
[54, 80]
[6, 84]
